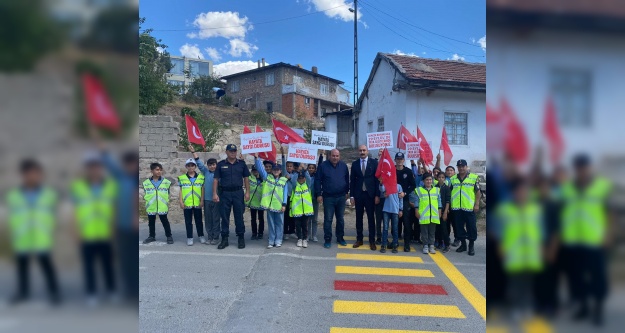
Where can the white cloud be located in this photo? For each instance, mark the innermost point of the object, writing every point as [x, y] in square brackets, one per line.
[191, 51]
[160, 49]
[399, 52]
[238, 47]
[232, 67]
[341, 13]
[482, 42]
[220, 24]
[213, 53]
[456, 57]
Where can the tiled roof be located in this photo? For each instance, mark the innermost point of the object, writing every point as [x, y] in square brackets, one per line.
[415, 68]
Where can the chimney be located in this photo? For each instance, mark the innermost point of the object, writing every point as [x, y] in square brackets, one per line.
[299, 65]
[258, 63]
[314, 69]
[263, 62]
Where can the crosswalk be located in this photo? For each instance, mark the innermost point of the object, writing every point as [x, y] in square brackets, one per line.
[401, 273]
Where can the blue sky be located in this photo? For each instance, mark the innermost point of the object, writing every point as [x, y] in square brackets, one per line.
[237, 33]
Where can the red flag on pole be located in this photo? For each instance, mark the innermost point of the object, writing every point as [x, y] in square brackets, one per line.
[404, 136]
[193, 131]
[270, 155]
[100, 110]
[515, 141]
[386, 170]
[424, 147]
[552, 132]
[285, 134]
[445, 147]
[246, 130]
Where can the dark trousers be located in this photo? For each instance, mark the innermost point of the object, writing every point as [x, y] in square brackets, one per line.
[546, 288]
[587, 273]
[22, 262]
[464, 219]
[495, 275]
[442, 232]
[452, 224]
[415, 227]
[405, 222]
[379, 218]
[232, 202]
[212, 218]
[164, 222]
[102, 252]
[301, 226]
[333, 206]
[365, 203]
[289, 222]
[260, 228]
[129, 264]
[189, 215]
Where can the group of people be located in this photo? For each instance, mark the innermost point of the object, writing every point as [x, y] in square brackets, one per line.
[426, 204]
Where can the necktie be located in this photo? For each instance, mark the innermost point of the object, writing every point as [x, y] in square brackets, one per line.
[362, 167]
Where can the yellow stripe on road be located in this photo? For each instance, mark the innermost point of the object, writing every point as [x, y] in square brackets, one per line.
[378, 257]
[464, 286]
[383, 271]
[369, 330]
[398, 309]
[366, 247]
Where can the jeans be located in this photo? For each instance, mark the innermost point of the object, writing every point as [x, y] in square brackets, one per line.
[164, 222]
[428, 232]
[276, 223]
[260, 214]
[333, 206]
[405, 221]
[189, 215]
[102, 251]
[462, 219]
[365, 203]
[289, 222]
[232, 202]
[23, 274]
[212, 219]
[301, 226]
[312, 230]
[394, 220]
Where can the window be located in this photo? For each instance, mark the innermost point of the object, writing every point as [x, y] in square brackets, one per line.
[179, 85]
[323, 88]
[381, 124]
[323, 112]
[198, 68]
[297, 79]
[307, 101]
[270, 106]
[370, 126]
[234, 86]
[177, 66]
[269, 79]
[571, 96]
[456, 128]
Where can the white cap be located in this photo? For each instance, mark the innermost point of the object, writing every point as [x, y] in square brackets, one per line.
[191, 160]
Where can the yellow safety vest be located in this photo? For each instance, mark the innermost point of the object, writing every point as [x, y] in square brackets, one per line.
[31, 226]
[522, 236]
[273, 193]
[463, 193]
[301, 201]
[156, 199]
[191, 192]
[94, 212]
[428, 205]
[584, 217]
[256, 193]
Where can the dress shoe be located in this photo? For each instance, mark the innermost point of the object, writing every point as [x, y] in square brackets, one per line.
[223, 244]
[241, 242]
[357, 244]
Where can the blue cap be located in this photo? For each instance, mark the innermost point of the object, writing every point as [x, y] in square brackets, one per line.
[231, 147]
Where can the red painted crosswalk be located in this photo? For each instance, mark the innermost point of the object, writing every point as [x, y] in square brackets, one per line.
[389, 287]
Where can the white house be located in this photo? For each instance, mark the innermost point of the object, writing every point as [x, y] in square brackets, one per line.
[429, 93]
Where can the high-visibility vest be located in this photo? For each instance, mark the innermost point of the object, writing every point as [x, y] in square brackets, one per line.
[94, 212]
[463, 193]
[273, 193]
[191, 192]
[31, 225]
[256, 193]
[156, 199]
[301, 201]
[584, 217]
[428, 205]
[522, 237]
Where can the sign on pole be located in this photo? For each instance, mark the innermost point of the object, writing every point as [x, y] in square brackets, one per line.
[323, 140]
[303, 153]
[255, 142]
[412, 151]
[380, 140]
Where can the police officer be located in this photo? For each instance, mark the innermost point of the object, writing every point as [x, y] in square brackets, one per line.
[230, 177]
[465, 203]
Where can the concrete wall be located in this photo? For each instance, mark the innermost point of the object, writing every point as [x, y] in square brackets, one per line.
[158, 137]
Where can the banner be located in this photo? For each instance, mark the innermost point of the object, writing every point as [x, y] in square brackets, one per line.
[255, 142]
[412, 151]
[303, 153]
[323, 140]
[380, 140]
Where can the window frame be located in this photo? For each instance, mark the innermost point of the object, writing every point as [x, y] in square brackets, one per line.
[235, 86]
[273, 79]
[380, 121]
[564, 92]
[450, 132]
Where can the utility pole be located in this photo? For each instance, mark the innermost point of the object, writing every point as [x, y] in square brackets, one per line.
[355, 52]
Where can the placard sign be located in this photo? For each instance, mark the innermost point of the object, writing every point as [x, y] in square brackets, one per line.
[412, 151]
[380, 140]
[255, 142]
[303, 153]
[323, 140]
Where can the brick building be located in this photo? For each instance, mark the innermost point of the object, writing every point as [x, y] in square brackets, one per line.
[288, 89]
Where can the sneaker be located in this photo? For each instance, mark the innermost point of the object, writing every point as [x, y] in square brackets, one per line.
[189, 241]
[432, 250]
[315, 239]
[214, 241]
[327, 245]
[202, 240]
[446, 249]
[270, 246]
[394, 249]
[342, 242]
[425, 249]
[170, 240]
[279, 245]
[305, 243]
[299, 243]
[149, 240]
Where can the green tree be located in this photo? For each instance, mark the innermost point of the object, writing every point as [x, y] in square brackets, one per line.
[210, 129]
[154, 91]
[113, 29]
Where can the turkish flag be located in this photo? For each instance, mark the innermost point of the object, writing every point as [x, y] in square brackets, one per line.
[424, 147]
[285, 134]
[445, 147]
[515, 141]
[193, 131]
[270, 155]
[100, 110]
[404, 136]
[386, 170]
[552, 132]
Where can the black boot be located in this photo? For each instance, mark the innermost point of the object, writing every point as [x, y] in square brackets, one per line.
[597, 315]
[463, 246]
[471, 249]
[241, 242]
[223, 244]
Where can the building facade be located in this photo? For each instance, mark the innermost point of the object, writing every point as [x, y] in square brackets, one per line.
[196, 67]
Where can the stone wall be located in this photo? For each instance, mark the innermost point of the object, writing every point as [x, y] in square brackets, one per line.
[158, 137]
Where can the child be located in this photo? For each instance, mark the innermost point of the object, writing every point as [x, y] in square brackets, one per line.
[274, 195]
[191, 194]
[156, 202]
[212, 215]
[442, 230]
[301, 209]
[427, 200]
[393, 209]
[256, 191]
[312, 231]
